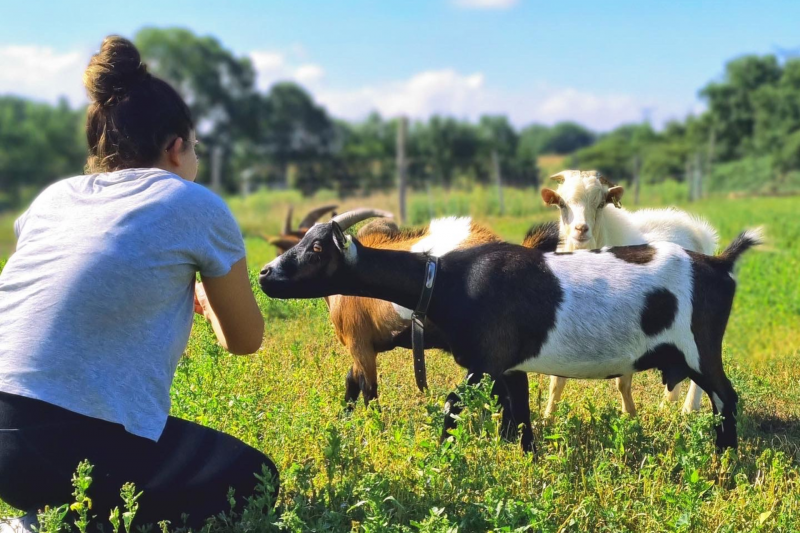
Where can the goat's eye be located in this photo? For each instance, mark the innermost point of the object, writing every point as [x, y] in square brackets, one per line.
[317, 247]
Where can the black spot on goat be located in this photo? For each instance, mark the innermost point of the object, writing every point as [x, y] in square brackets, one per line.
[660, 309]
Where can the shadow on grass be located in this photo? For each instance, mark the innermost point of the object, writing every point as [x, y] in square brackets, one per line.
[773, 431]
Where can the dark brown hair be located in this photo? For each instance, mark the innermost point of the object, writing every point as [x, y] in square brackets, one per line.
[133, 114]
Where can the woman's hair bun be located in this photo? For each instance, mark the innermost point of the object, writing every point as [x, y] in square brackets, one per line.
[114, 71]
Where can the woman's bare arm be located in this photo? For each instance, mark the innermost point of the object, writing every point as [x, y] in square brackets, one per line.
[229, 304]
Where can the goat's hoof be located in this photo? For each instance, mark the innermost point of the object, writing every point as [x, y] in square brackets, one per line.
[689, 409]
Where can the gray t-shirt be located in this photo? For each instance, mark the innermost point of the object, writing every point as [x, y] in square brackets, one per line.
[96, 304]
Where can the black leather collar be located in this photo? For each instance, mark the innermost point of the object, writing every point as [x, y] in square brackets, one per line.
[418, 323]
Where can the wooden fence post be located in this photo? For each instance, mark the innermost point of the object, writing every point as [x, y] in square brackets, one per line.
[636, 179]
[216, 169]
[402, 166]
[498, 176]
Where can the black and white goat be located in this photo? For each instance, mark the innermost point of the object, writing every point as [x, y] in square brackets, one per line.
[505, 310]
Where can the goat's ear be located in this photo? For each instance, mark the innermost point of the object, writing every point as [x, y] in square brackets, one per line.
[551, 197]
[338, 236]
[614, 195]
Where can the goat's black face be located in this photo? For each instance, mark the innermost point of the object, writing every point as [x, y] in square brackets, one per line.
[308, 270]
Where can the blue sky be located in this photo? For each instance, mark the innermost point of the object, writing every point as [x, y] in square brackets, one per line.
[599, 63]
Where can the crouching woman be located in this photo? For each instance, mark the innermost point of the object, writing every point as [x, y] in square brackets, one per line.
[96, 308]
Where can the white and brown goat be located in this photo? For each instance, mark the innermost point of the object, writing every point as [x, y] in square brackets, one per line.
[589, 222]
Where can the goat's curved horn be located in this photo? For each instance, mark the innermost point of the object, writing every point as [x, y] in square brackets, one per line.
[350, 218]
[287, 224]
[314, 215]
[558, 177]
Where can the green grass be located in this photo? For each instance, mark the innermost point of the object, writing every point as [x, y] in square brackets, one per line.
[595, 469]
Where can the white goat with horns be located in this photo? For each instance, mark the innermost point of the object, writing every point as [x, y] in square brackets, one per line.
[586, 224]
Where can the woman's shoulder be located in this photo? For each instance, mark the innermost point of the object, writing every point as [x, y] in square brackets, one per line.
[167, 188]
[197, 204]
[196, 196]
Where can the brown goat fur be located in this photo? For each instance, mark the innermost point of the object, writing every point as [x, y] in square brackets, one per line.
[366, 326]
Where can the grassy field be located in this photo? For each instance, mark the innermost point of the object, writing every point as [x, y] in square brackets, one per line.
[595, 469]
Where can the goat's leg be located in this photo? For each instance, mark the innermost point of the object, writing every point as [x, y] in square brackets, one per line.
[694, 398]
[352, 388]
[363, 376]
[519, 400]
[369, 379]
[453, 406]
[724, 401]
[556, 388]
[508, 429]
[624, 388]
[715, 383]
[672, 395]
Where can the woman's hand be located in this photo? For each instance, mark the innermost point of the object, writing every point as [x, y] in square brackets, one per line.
[200, 299]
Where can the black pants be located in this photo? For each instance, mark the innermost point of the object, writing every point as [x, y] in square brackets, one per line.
[188, 470]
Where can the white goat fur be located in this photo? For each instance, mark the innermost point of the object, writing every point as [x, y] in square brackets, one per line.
[580, 196]
[444, 235]
[579, 344]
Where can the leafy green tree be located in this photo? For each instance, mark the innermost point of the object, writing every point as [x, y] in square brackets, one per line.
[366, 152]
[449, 146]
[218, 87]
[731, 103]
[566, 137]
[497, 136]
[664, 154]
[777, 119]
[292, 129]
[613, 154]
[532, 140]
[39, 144]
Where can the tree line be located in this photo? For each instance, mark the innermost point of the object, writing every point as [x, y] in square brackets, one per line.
[282, 138]
[748, 137]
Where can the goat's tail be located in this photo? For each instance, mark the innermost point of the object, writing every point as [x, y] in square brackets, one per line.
[746, 240]
[544, 237]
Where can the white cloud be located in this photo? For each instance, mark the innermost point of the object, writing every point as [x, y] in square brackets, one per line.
[430, 92]
[270, 68]
[267, 61]
[45, 74]
[448, 92]
[485, 4]
[41, 73]
[273, 67]
[309, 74]
[597, 111]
